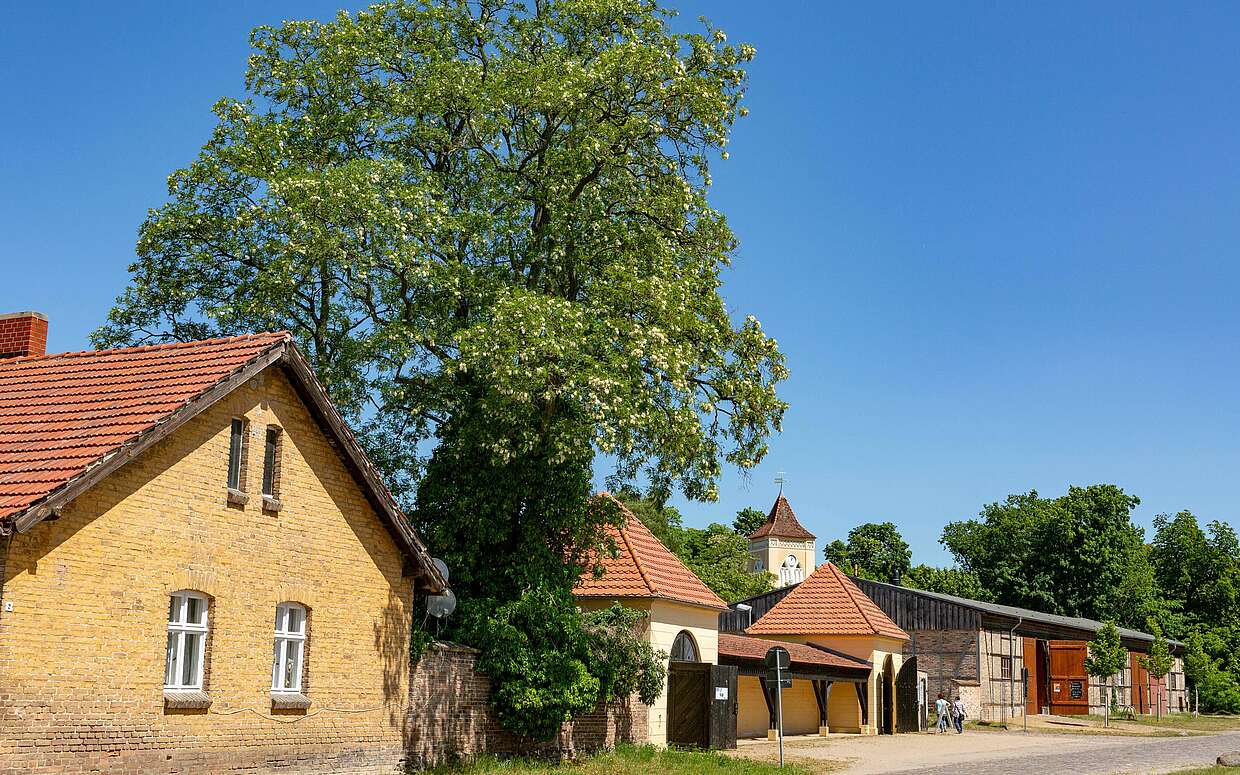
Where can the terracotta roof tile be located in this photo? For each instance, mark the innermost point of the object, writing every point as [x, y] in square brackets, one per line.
[826, 603]
[61, 414]
[644, 568]
[743, 647]
[782, 523]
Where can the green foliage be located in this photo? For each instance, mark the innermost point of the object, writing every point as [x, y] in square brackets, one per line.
[1158, 661]
[487, 225]
[948, 581]
[1070, 555]
[621, 659]
[628, 760]
[874, 550]
[720, 558]
[449, 203]
[550, 662]
[662, 520]
[1107, 655]
[1210, 665]
[747, 521]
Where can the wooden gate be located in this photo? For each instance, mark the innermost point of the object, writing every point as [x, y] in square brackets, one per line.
[908, 707]
[1069, 685]
[688, 722]
[722, 703]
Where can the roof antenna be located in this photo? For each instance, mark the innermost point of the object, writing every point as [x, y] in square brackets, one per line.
[779, 479]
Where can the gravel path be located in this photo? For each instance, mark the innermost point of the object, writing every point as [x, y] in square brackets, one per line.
[1000, 753]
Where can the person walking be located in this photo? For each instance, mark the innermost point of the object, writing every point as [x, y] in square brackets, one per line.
[958, 714]
[943, 709]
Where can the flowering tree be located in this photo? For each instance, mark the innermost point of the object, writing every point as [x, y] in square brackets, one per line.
[487, 224]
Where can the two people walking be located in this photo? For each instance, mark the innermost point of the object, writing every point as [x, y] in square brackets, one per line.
[953, 710]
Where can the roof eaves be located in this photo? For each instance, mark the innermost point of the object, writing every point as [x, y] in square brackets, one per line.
[50, 504]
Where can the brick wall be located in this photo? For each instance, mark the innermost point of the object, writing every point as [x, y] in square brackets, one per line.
[449, 717]
[22, 333]
[949, 660]
[82, 653]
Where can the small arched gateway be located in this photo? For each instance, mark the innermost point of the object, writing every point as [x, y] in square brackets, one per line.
[697, 706]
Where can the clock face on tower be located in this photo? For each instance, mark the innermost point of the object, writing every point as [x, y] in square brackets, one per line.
[791, 562]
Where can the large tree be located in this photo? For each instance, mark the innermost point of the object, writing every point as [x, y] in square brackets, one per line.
[487, 224]
[875, 550]
[1071, 555]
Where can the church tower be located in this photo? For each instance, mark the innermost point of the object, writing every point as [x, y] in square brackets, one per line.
[782, 546]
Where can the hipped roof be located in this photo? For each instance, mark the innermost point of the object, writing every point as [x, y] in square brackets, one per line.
[644, 568]
[826, 603]
[781, 522]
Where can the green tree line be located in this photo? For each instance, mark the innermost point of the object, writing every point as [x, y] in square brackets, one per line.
[1080, 554]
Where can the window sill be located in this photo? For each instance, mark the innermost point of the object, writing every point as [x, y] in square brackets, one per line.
[237, 497]
[272, 503]
[186, 698]
[289, 701]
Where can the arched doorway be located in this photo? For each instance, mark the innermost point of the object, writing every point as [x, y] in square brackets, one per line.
[688, 680]
[886, 717]
[684, 648]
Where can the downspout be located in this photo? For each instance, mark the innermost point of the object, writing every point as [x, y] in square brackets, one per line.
[6, 538]
[1012, 665]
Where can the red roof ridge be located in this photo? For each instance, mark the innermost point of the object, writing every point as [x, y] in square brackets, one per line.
[852, 598]
[624, 536]
[111, 351]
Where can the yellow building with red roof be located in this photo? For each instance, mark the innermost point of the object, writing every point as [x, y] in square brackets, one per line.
[683, 611]
[782, 546]
[829, 612]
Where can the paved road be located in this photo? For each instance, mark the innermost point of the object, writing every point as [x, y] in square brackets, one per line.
[1000, 753]
[1105, 757]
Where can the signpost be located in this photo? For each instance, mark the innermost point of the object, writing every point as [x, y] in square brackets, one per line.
[777, 662]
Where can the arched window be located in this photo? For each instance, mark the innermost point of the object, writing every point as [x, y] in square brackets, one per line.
[187, 641]
[290, 648]
[684, 649]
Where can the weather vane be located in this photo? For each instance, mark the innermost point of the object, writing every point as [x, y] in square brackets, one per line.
[779, 479]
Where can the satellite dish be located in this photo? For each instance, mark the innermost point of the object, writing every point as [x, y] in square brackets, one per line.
[440, 606]
[442, 566]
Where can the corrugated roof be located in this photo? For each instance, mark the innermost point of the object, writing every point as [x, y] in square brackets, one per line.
[826, 603]
[1029, 615]
[781, 522]
[644, 568]
[744, 647]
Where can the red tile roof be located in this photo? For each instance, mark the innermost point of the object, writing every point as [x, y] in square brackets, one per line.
[782, 523]
[644, 568]
[61, 414]
[733, 647]
[826, 603]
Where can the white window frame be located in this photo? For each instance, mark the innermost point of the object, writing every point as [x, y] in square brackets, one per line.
[179, 630]
[288, 644]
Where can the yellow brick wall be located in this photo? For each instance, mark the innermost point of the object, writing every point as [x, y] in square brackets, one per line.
[82, 652]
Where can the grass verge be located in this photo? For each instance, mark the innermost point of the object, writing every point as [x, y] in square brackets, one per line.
[627, 760]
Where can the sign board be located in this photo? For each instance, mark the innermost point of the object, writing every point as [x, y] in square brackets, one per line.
[721, 692]
[1076, 689]
[780, 678]
[777, 656]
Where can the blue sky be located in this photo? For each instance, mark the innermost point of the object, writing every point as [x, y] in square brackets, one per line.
[997, 242]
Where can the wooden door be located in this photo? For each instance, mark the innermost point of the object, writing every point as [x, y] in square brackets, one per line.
[1069, 685]
[908, 709]
[1140, 684]
[687, 707]
[723, 706]
[1030, 653]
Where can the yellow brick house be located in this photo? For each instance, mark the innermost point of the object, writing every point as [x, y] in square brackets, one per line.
[201, 570]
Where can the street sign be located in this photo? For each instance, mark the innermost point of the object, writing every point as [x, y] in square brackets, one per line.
[777, 679]
[777, 656]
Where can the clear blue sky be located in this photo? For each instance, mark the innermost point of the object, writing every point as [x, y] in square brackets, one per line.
[998, 242]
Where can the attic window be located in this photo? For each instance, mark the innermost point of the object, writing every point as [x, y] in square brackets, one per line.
[236, 455]
[271, 465]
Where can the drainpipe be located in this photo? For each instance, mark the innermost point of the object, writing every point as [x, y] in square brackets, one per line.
[6, 538]
[1012, 666]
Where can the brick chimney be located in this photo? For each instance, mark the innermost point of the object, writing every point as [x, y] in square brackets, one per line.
[22, 334]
